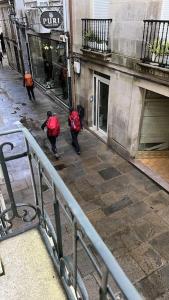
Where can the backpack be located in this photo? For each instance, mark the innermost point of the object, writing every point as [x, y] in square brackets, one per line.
[28, 80]
[53, 126]
[75, 121]
[80, 110]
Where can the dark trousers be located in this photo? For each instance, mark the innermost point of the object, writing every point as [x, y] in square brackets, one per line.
[52, 140]
[75, 143]
[30, 92]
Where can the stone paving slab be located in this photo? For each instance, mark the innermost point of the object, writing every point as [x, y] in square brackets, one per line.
[129, 211]
[147, 258]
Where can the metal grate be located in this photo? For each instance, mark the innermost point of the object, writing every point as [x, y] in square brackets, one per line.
[155, 44]
[96, 35]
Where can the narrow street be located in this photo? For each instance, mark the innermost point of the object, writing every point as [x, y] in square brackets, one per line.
[128, 209]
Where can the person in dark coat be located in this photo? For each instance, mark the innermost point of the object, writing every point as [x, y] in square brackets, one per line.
[75, 127]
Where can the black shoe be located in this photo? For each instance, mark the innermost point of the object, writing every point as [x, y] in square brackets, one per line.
[78, 152]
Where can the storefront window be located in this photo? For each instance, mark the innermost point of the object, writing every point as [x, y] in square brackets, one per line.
[49, 65]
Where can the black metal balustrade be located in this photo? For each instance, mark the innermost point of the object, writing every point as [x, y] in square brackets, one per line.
[155, 44]
[67, 233]
[96, 35]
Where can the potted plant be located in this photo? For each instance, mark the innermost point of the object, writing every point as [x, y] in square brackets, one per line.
[159, 52]
[94, 42]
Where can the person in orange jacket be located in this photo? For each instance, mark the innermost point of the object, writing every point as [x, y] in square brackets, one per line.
[29, 84]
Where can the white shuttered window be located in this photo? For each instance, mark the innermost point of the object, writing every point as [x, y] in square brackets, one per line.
[101, 9]
[165, 10]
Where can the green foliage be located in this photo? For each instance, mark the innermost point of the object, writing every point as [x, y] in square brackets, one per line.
[159, 48]
[90, 36]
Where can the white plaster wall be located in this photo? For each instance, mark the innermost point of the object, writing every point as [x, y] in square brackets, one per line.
[125, 104]
[80, 10]
[135, 116]
[127, 23]
[121, 95]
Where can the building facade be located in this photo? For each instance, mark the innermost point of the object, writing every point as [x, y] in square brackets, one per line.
[47, 51]
[10, 36]
[124, 80]
[30, 46]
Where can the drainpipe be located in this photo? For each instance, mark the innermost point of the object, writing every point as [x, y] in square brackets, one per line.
[71, 50]
[67, 40]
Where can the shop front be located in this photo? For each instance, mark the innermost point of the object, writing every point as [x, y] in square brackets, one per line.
[49, 68]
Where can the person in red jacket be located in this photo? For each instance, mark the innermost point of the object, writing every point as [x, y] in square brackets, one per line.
[53, 130]
[75, 127]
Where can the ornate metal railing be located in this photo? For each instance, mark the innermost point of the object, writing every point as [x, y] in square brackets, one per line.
[155, 44]
[67, 232]
[96, 35]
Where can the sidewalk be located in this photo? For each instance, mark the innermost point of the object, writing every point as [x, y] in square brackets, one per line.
[129, 211]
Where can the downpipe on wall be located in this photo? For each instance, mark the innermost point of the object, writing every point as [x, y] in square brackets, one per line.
[67, 41]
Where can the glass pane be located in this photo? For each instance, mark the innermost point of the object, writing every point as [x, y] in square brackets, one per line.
[49, 65]
[103, 106]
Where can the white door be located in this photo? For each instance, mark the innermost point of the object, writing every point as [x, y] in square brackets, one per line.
[100, 104]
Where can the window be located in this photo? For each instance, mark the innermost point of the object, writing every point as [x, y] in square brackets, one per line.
[49, 65]
[101, 9]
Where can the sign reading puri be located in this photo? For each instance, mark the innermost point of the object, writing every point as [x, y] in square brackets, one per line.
[51, 19]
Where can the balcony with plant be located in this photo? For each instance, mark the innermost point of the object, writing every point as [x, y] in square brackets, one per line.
[155, 44]
[96, 35]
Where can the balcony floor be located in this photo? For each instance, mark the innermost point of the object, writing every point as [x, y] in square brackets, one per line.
[29, 272]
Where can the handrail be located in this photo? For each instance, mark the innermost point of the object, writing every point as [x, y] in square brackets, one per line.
[112, 265]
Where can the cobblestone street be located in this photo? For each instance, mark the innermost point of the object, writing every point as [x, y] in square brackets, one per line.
[129, 211]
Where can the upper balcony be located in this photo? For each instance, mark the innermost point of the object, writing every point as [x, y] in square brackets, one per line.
[155, 45]
[50, 228]
[96, 35]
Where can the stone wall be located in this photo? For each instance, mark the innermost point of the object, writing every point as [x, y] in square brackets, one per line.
[127, 24]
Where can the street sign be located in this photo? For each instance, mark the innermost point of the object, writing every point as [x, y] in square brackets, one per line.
[51, 19]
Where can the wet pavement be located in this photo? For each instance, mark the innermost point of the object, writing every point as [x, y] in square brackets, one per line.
[129, 211]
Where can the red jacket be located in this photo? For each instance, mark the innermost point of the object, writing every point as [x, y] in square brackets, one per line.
[53, 126]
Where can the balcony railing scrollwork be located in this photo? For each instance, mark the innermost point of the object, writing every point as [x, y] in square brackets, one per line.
[96, 35]
[155, 44]
[63, 225]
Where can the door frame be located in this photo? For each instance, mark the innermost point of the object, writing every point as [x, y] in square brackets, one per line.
[96, 103]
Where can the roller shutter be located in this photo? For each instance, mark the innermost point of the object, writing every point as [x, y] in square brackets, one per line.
[165, 10]
[101, 9]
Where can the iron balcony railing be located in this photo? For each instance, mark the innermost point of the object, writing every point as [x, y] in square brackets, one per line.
[67, 232]
[96, 35]
[155, 44]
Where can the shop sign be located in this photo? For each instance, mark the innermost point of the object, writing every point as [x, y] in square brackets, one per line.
[51, 19]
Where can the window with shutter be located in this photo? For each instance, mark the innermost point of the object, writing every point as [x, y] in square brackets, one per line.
[165, 10]
[101, 9]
